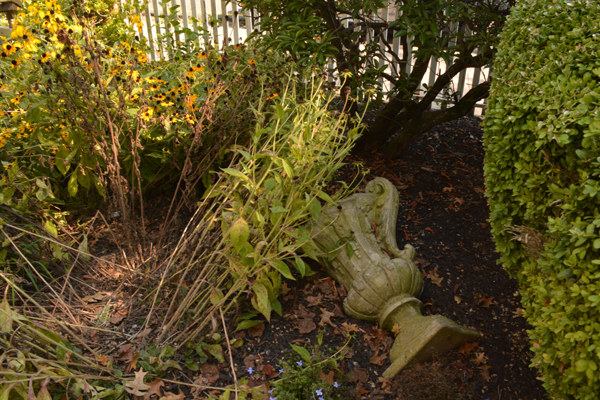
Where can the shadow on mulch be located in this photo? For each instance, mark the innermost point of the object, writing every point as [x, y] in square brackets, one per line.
[443, 214]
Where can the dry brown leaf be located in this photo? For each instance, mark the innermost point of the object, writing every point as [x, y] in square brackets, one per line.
[337, 311]
[396, 329]
[269, 371]
[467, 348]
[94, 298]
[421, 262]
[359, 375]
[125, 353]
[155, 386]
[385, 384]
[117, 318]
[137, 387]
[256, 331]
[326, 317]
[305, 325]
[485, 302]
[434, 277]
[302, 312]
[327, 377]
[378, 359]
[210, 372]
[314, 301]
[484, 372]
[480, 358]
[173, 396]
[459, 201]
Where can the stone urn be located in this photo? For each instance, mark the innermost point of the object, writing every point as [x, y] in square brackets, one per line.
[358, 241]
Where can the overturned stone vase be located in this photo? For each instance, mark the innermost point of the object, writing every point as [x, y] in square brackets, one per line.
[383, 283]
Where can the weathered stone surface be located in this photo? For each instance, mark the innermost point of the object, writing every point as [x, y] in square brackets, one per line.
[383, 283]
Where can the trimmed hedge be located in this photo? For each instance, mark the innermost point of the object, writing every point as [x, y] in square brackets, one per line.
[542, 167]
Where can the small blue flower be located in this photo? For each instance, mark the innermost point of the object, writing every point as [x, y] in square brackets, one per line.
[319, 392]
[272, 398]
[281, 371]
[321, 398]
[336, 385]
[271, 391]
[299, 363]
[250, 370]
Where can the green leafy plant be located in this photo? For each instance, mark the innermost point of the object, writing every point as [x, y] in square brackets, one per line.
[311, 374]
[542, 146]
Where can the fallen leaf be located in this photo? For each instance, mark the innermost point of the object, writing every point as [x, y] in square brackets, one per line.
[480, 190]
[484, 372]
[173, 396]
[302, 312]
[378, 359]
[347, 328]
[314, 301]
[457, 299]
[326, 317]
[103, 359]
[253, 361]
[459, 201]
[448, 189]
[480, 358]
[385, 384]
[94, 298]
[137, 387]
[117, 318]
[305, 325]
[359, 375]
[256, 331]
[337, 311]
[467, 348]
[427, 169]
[421, 262]
[210, 372]
[155, 386]
[396, 329]
[483, 301]
[327, 377]
[434, 277]
[125, 353]
[456, 287]
[269, 371]
[430, 230]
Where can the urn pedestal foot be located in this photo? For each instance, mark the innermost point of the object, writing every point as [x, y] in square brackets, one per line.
[421, 337]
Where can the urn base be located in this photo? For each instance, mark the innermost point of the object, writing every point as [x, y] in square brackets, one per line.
[421, 337]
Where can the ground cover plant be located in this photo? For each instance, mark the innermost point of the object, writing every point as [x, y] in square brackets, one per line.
[542, 180]
[462, 33]
[91, 126]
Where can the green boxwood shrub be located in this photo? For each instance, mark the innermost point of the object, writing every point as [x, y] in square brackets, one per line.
[542, 167]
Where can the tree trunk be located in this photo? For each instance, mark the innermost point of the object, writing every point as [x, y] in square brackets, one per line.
[403, 113]
[421, 123]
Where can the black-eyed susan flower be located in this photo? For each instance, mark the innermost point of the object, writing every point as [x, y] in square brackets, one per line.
[147, 115]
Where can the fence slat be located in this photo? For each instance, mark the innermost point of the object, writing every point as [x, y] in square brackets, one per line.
[184, 15]
[213, 17]
[224, 23]
[149, 35]
[236, 21]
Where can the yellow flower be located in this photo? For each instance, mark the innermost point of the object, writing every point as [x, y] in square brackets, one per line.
[146, 115]
[167, 104]
[251, 61]
[8, 48]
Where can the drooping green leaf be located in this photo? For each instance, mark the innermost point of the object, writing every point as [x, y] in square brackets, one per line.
[239, 233]
[282, 268]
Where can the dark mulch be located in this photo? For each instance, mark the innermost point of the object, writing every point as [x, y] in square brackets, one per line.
[443, 214]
